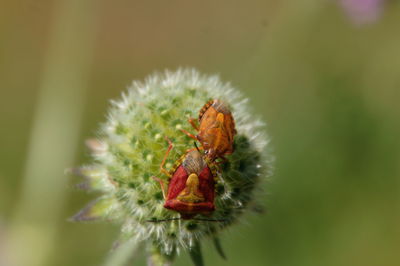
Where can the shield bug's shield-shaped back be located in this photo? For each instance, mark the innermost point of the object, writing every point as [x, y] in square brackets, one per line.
[191, 185]
[216, 129]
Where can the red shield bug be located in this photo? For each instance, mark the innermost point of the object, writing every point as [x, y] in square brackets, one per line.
[191, 185]
[216, 129]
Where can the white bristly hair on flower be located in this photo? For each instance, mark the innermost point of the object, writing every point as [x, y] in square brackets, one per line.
[130, 148]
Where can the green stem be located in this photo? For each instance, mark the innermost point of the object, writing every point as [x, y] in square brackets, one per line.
[158, 258]
[122, 254]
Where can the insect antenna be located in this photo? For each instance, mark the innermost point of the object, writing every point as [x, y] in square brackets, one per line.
[195, 144]
[163, 220]
[209, 220]
[177, 219]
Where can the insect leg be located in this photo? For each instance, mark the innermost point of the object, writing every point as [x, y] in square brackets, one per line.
[223, 160]
[191, 121]
[161, 184]
[170, 146]
[196, 148]
[190, 135]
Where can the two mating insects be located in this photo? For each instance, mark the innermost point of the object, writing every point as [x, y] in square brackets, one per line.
[216, 129]
[191, 187]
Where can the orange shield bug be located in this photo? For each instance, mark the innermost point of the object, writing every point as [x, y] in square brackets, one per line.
[216, 129]
[191, 185]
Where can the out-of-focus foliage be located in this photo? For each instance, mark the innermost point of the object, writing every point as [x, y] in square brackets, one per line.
[328, 88]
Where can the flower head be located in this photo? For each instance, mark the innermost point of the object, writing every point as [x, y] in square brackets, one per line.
[363, 11]
[132, 144]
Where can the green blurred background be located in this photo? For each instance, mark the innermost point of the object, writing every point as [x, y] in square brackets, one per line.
[327, 88]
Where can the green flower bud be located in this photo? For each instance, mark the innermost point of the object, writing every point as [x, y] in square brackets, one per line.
[131, 146]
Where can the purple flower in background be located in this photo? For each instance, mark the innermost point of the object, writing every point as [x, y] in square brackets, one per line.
[363, 11]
